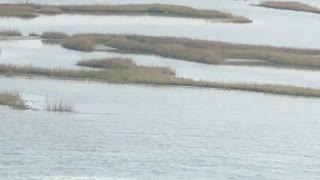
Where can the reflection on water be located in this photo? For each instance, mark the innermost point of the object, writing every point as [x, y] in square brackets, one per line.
[164, 133]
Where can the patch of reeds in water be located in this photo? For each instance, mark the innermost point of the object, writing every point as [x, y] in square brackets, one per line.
[10, 33]
[209, 52]
[27, 10]
[290, 5]
[12, 100]
[149, 76]
[59, 106]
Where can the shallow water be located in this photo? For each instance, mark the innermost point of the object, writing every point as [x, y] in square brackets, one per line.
[270, 27]
[146, 132]
[139, 132]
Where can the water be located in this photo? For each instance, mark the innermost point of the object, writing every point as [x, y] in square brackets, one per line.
[269, 27]
[146, 132]
[139, 132]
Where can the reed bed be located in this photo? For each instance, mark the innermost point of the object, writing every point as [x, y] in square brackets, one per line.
[10, 33]
[209, 52]
[59, 106]
[18, 10]
[152, 76]
[113, 63]
[290, 5]
[12, 100]
[53, 35]
[33, 10]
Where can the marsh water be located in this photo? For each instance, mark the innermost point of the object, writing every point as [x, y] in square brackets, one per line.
[270, 27]
[147, 132]
[143, 132]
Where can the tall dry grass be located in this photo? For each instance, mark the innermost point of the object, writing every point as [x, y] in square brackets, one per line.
[290, 5]
[12, 100]
[59, 106]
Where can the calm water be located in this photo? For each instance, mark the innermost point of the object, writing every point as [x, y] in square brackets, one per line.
[145, 132]
[134, 132]
[271, 27]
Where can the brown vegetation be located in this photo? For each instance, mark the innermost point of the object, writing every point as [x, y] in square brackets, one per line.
[53, 35]
[290, 5]
[32, 10]
[10, 33]
[153, 76]
[209, 52]
[17, 10]
[12, 100]
[114, 63]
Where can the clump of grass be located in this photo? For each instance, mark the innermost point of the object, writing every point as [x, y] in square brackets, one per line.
[209, 52]
[10, 33]
[59, 106]
[34, 34]
[152, 76]
[155, 9]
[53, 35]
[17, 10]
[12, 100]
[80, 44]
[290, 5]
[114, 63]
[49, 10]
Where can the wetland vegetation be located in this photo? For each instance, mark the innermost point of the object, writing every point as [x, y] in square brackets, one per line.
[202, 51]
[124, 71]
[290, 5]
[10, 33]
[33, 10]
[12, 100]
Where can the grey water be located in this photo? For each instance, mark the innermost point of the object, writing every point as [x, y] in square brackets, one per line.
[135, 132]
[147, 132]
[269, 27]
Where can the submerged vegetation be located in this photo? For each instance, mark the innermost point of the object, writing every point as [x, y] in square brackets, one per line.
[33, 10]
[202, 51]
[290, 5]
[12, 100]
[112, 72]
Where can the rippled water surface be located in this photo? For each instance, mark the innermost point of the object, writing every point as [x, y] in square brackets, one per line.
[139, 132]
[147, 132]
